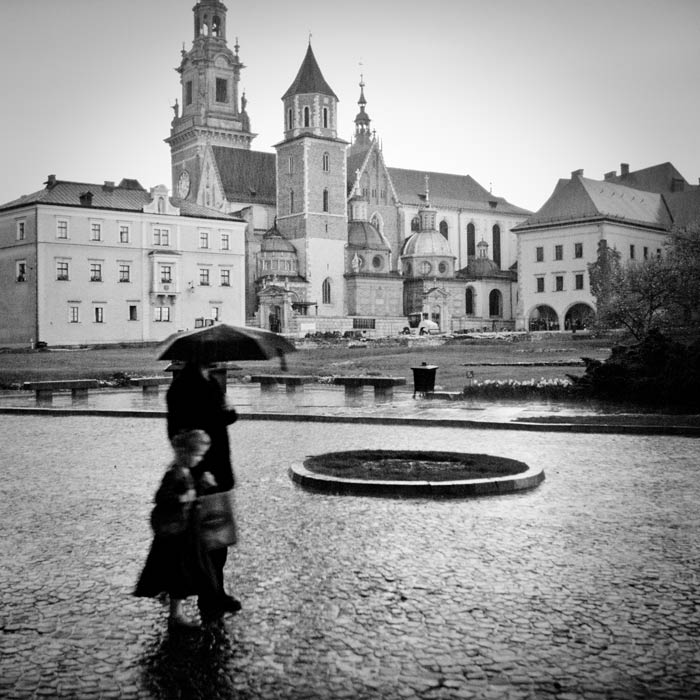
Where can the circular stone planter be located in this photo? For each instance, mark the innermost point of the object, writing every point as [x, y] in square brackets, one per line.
[411, 473]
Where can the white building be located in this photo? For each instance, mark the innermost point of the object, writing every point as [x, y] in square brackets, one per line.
[86, 263]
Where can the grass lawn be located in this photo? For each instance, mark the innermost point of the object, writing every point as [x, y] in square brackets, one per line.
[388, 357]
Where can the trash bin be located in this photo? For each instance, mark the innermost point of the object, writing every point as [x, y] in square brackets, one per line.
[423, 378]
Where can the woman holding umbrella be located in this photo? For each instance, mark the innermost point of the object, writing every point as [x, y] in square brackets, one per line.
[196, 401]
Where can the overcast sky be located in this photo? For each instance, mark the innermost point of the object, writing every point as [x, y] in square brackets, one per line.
[515, 93]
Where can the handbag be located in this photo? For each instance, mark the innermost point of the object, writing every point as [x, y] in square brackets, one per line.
[217, 526]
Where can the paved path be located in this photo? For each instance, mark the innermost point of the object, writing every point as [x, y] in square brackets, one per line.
[586, 587]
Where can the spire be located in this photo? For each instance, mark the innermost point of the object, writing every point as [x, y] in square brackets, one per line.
[309, 78]
[362, 120]
[427, 190]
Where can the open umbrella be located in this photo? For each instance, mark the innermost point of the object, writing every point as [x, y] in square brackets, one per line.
[222, 342]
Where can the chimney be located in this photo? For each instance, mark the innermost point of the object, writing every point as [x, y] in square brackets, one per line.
[85, 199]
[576, 173]
[624, 169]
[610, 175]
[108, 186]
[50, 181]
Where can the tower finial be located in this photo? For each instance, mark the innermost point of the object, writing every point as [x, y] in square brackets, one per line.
[236, 46]
[427, 190]
[310, 35]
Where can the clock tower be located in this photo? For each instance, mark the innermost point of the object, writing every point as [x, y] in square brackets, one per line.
[210, 111]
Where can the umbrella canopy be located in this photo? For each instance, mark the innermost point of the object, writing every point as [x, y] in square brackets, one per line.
[221, 343]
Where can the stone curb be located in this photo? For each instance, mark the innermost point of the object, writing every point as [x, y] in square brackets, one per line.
[463, 488]
[591, 428]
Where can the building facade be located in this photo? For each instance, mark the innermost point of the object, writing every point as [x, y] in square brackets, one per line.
[85, 264]
[332, 231]
[632, 212]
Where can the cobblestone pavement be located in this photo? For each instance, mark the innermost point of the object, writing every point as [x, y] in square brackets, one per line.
[586, 587]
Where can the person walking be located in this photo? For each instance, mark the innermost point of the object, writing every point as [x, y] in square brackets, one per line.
[195, 400]
[178, 563]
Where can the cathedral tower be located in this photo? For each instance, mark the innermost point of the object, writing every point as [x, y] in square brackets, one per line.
[212, 112]
[311, 186]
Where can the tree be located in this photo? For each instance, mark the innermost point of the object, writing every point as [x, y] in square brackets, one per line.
[683, 259]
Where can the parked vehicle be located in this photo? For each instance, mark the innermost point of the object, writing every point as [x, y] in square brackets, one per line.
[417, 325]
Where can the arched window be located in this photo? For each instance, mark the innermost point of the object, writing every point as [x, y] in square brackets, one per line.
[469, 301]
[215, 24]
[471, 241]
[290, 121]
[444, 228]
[325, 117]
[326, 291]
[326, 163]
[161, 205]
[425, 267]
[415, 224]
[495, 303]
[306, 116]
[496, 244]
[325, 200]
[291, 201]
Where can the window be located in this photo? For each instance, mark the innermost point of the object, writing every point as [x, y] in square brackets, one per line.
[215, 313]
[99, 314]
[646, 253]
[188, 92]
[161, 313]
[290, 122]
[326, 163]
[415, 224]
[559, 283]
[496, 235]
[325, 117]
[124, 272]
[325, 200]
[225, 277]
[161, 236]
[95, 232]
[225, 241]
[221, 90]
[658, 252]
[425, 267]
[377, 262]
[290, 165]
[578, 250]
[326, 291]
[579, 281]
[166, 274]
[495, 303]
[73, 314]
[469, 301]
[95, 272]
[203, 239]
[632, 252]
[21, 271]
[133, 313]
[62, 271]
[307, 116]
[61, 229]
[442, 268]
[444, 228]
[291, 201]
[204, 276]
[539, 254]
[540, 284]
[558, 252]
[21, 230]
[471, 240]
[123, 234]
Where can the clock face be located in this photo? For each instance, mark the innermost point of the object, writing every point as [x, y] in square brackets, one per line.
[183, 184]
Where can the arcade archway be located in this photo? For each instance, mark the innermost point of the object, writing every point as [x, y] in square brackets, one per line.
[543, 318]
[578, 317]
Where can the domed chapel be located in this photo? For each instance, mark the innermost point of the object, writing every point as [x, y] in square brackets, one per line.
[336, 239]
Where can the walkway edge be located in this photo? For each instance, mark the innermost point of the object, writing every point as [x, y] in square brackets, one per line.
[627, 429]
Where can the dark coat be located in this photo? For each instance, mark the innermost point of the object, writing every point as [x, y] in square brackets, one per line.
[198, 403]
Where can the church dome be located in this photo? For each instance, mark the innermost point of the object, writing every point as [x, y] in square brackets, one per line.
[480, 267]
[427, 243]
[361, 234]
[274, 242]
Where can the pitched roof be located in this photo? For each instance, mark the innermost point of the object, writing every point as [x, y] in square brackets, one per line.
[684, 206]
[247, 176]
[657, 178]
[581, 198]
[309, 79]
[128, 195]
[446, 190]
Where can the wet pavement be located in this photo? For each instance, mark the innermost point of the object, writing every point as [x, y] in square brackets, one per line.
[586, 587]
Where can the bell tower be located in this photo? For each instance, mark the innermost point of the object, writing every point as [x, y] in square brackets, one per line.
[210, 112]
[311, 185]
